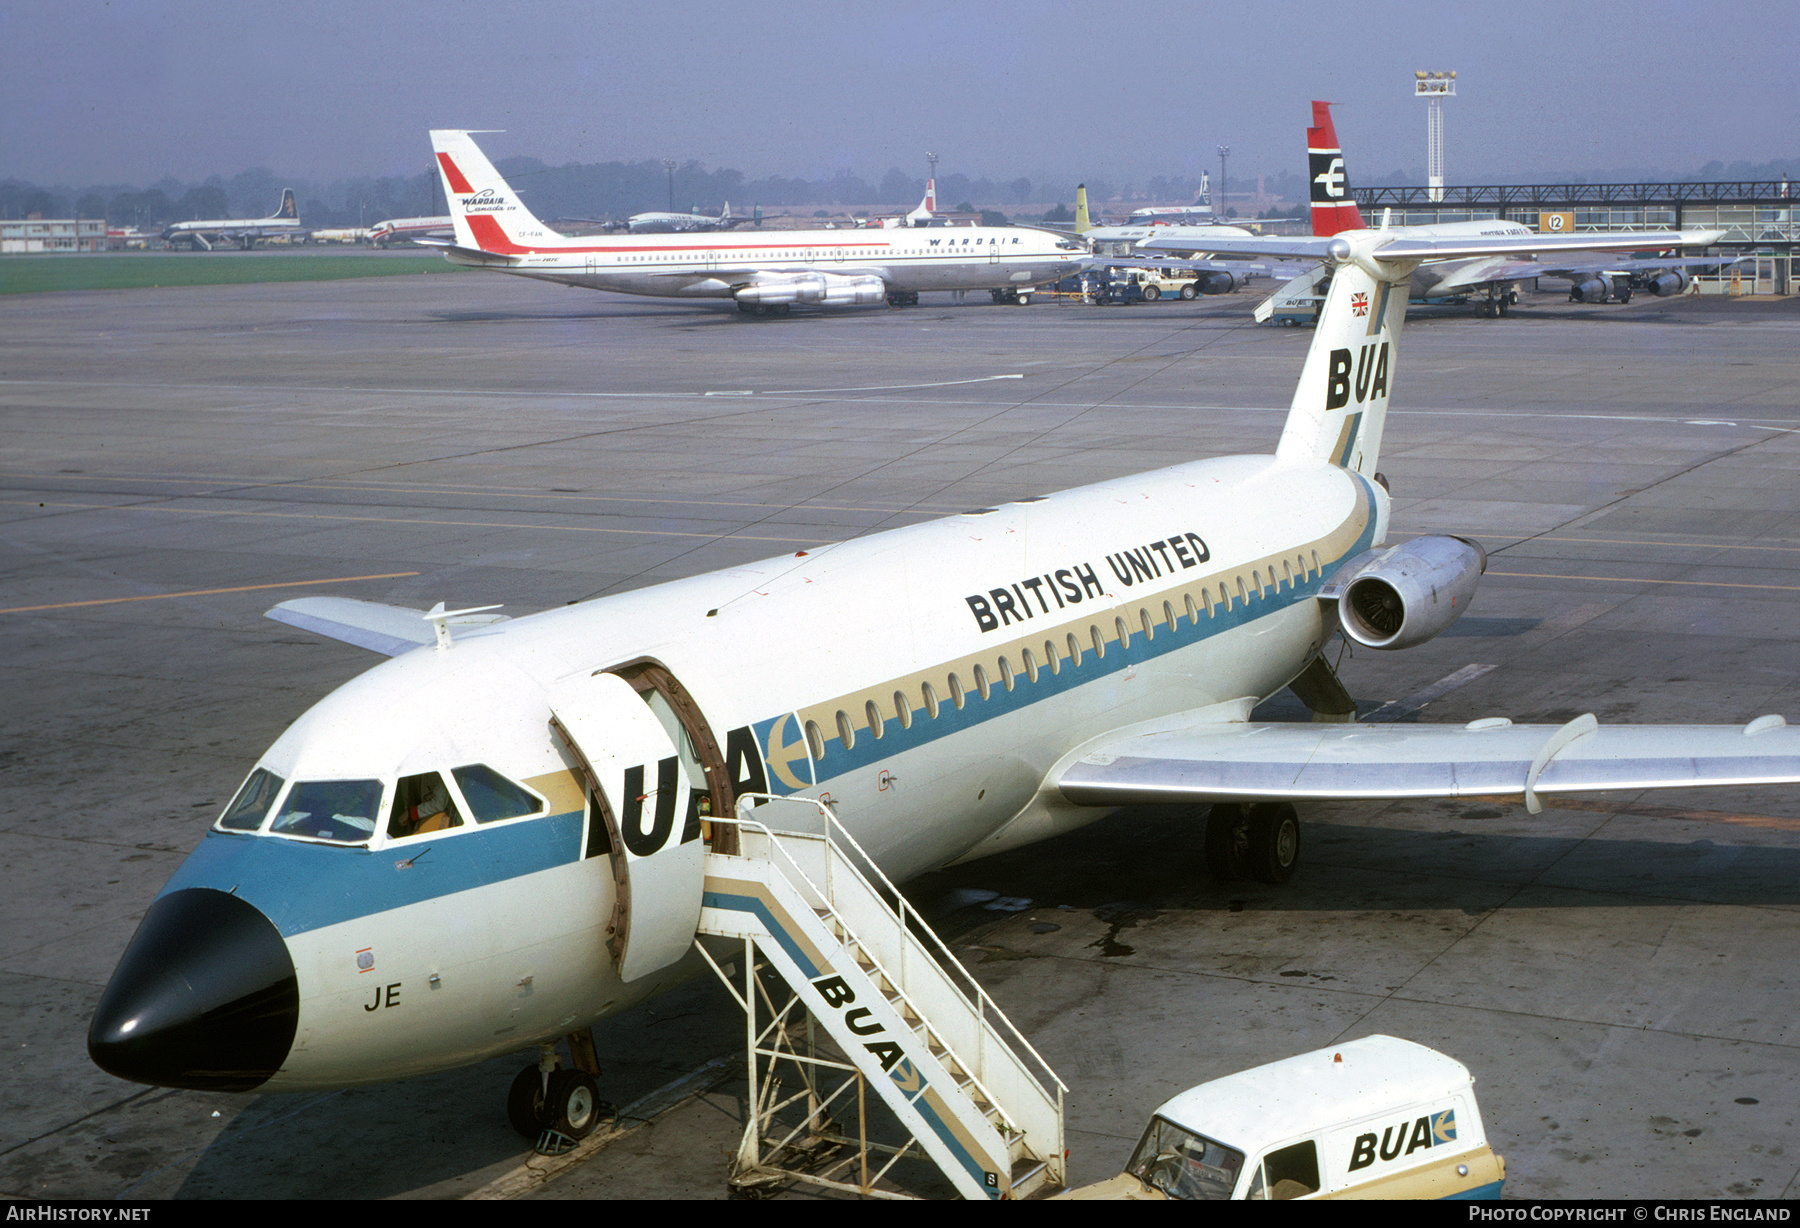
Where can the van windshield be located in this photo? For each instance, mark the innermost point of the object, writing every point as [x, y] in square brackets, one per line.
[1185, 1165]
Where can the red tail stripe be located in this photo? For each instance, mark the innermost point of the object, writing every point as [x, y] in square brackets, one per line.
[488, 235]
[457, 182]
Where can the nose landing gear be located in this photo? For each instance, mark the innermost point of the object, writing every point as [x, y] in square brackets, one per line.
[554, 1106]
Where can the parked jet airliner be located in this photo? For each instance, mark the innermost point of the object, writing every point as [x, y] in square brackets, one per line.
[1591, 262]
[765, 272]
[495, 838]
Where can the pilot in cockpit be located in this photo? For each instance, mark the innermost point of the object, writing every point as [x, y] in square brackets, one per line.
[421, 804]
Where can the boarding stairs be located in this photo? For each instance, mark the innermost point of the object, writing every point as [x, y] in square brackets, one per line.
[846, 991]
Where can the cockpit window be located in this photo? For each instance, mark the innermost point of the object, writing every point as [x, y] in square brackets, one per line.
[339, 810]
[251, 805]
[421, 804]
[491, 796]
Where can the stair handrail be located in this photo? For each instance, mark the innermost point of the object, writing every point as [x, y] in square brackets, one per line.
[952, 966]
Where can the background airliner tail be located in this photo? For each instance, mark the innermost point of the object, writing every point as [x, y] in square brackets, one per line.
[1341, 403]
[485, 211]
[1083, 221]
[1333, 208]
[288, 210]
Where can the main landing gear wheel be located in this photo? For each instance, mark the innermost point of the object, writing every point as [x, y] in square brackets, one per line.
[1227, 841]
[1260, 842]
[1274, 842]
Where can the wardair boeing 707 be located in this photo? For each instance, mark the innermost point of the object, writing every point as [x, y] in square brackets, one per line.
[766, 272]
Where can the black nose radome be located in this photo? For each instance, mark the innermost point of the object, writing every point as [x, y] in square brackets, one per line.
[204, 997]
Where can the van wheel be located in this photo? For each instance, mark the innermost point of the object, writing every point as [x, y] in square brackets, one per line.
[1188, 292]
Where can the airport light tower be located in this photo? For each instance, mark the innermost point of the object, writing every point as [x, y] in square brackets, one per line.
[1219, 204]
[669, 165]
[1434, 87]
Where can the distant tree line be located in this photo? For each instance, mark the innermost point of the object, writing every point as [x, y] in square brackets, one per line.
[619, 189]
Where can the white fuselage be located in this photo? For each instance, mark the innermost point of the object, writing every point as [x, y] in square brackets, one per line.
[907, 259]
[928, 681]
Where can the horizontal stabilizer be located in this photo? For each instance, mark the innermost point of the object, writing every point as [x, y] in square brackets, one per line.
[387, 629]
[1254, 762]
[467, 255]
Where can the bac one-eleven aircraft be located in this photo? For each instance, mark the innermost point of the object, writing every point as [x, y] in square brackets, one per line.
[459, 854]
[765, 272]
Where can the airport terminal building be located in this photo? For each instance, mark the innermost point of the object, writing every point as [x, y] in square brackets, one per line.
[86, 234]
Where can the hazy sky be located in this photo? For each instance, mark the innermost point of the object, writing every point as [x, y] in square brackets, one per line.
[131, 90]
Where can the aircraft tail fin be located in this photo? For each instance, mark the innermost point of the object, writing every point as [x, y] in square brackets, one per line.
[1083, 222]
[928, 206]
[1333, 208]
[484, 209]
[1340, 405]
[288, 210]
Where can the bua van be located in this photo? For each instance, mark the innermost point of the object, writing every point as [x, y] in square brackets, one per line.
[1375, 1118]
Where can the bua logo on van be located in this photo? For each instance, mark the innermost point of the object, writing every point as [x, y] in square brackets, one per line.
[1431, 1130]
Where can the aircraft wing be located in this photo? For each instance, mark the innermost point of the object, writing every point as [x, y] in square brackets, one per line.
[387, 629]
[1287, 762]
[1261, 268]
[1315, 247]
[1574, 267]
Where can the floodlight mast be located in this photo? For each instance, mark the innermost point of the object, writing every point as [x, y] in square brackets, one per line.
[1434, 87]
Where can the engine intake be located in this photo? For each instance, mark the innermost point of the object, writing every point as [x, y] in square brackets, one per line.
[1673, 281]
[1593, 290]
[1217, 281]
[1409, 593]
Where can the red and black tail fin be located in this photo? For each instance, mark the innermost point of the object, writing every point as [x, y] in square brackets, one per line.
[1333, 208]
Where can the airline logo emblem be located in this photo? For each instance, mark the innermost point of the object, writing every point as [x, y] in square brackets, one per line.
[485, 201]
[1370, 365]
[1404, 1138]
[1359, 303]
[1328, 176]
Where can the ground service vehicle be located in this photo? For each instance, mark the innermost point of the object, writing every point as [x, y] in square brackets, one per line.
[1375, 1118]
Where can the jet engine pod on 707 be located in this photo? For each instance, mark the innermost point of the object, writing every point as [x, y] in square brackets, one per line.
[825, 289]
[1406, 594]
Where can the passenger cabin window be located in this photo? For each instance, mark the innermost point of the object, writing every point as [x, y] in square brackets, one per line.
[492, 797]
[342, 811]
[251, 805]
[422, 804]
